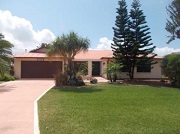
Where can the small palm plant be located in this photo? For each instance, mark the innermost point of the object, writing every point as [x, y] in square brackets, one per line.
[112, 70]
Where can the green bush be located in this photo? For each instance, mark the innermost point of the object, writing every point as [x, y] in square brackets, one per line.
[76, 81]
[112, 70]
[61, 79]
[79, 76]
[81, 67]
[171, 68]
[7, 77]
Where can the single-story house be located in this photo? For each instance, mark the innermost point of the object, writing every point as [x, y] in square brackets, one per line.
[36, 64]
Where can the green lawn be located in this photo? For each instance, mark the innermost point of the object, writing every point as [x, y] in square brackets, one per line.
[110, 109]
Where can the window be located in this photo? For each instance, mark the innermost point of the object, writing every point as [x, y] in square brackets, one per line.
[144, 67]
[124, 69]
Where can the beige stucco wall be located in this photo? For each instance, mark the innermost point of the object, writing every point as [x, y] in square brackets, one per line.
[90, 66]
[17, 64]
[154, 74]
[103, 67]
[17, 68]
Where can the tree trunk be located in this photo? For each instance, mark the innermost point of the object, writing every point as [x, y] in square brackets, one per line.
[70, 68]
[131, 73]
[109, 77]
[114, 77]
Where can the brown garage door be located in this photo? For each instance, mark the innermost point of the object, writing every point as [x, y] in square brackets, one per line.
[40, 69]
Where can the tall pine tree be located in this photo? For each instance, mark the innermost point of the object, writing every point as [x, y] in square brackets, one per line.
[121, 34]
[141, 48]
[135, 47]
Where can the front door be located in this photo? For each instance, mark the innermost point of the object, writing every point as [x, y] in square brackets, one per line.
[95, 68]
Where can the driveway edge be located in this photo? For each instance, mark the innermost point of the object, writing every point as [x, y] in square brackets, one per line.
[36, 118]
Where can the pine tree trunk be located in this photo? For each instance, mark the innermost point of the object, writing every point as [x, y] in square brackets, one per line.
[131, 73]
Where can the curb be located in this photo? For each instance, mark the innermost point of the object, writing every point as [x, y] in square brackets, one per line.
[36, 119]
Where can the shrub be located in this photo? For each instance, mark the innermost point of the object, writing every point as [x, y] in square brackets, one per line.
[170, 67]
[93, 80]
[81, 67]
[79, 76]
[7, 77]
[80, 83]
[112, 70]
[72, 81]
[76, 81]
[61, 79]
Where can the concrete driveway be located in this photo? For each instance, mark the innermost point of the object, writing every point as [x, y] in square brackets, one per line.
[17, 105]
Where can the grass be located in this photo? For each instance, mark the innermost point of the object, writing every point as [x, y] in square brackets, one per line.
[110, 109]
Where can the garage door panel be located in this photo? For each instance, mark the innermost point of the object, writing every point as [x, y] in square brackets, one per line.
[39, 69]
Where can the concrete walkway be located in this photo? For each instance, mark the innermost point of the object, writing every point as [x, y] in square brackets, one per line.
[100, 80]
[17, 105]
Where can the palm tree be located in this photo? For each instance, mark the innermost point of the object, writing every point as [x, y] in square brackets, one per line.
[5, 54]
[68, 46]
[173, 23]
[112, 70]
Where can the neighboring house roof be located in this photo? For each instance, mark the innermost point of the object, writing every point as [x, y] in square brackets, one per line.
[39, 50]
[156, 57]
[31, 55]
[83, 55]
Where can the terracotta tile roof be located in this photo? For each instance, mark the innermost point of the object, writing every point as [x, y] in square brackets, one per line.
[90, 54]
[110, 56]
[94, 54]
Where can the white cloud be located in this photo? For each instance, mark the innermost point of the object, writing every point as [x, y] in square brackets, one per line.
[165, 50]
[104, 44]
[21, 34]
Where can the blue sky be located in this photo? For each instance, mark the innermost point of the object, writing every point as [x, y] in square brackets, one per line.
[89, 18]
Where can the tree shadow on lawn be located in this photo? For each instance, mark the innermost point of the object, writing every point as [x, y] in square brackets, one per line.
[82, 89]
